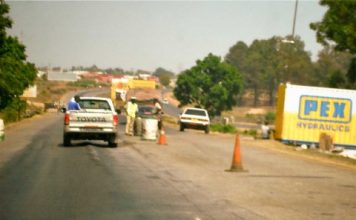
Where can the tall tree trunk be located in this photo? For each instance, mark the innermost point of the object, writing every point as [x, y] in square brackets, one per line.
[271, 92]
[255, 100]
[271, 97]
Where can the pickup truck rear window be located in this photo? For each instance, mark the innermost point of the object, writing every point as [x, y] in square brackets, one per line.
[94, 104]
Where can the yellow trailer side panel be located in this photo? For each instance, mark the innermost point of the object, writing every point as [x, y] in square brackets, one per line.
[305, 112]
[280, 111]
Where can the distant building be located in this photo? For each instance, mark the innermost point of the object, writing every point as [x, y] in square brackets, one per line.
[80, 72]
[62, 76]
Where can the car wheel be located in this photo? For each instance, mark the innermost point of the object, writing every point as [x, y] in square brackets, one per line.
[181, 128]
[206, 130]
[66, 140]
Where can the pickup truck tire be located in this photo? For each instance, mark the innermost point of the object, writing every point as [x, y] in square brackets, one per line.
[66, 140]
[112, 142]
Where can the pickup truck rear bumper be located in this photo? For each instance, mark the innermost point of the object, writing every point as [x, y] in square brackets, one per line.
[90, 133]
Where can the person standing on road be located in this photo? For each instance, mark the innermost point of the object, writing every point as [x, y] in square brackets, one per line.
[131, 111]
[73, 104]
[158, 111]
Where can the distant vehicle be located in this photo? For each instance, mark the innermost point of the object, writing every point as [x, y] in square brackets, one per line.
[144, 111]
[97, 120]
[195, 118]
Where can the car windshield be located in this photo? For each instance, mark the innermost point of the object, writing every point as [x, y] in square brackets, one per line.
[94, 104]
[195, 112]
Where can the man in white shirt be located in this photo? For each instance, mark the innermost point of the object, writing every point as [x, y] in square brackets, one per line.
[131, 111]
[265, 130]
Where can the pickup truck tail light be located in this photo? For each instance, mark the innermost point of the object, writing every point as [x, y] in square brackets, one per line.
[66, 119]
[115, 120]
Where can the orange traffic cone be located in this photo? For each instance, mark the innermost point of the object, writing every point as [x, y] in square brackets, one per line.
[162, 137]
[236, 165]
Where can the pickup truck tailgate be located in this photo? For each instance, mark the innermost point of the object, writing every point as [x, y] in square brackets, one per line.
[91, 120]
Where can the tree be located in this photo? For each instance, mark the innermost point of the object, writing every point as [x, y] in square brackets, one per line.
[164, 76]
[336, 79]
[15, 73]
[236, 57]
[338, 25]
[329, 62]
[266, 63]
[211, 84]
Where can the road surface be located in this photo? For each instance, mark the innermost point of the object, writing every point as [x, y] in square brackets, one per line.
[186, 179]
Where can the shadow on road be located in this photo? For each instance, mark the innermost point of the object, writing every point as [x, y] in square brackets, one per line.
[84, 144]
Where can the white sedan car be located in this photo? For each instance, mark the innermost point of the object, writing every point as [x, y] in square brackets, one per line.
[196, 118]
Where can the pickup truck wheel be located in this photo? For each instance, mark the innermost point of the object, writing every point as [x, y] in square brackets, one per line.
[112, 142]
[66, 140]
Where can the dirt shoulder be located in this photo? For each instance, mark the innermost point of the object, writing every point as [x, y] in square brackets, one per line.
[307, 154]
[274, 145]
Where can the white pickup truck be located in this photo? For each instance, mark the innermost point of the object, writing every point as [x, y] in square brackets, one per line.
[96, 120]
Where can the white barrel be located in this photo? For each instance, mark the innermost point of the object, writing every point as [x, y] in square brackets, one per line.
[2, 130]
[150, 126]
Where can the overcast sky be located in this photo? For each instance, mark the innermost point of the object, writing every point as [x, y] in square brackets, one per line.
[146, 35]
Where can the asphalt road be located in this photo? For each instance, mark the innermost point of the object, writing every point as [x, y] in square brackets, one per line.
[186, 179]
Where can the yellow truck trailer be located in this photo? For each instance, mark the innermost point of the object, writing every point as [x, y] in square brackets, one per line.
[123, 88]
[305, 112]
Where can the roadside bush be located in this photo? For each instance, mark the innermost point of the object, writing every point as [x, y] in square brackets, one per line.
[254, 118]
[251, 132]
[84, 83]
[223, 128]
[169, 119]
[270, 117]
[32, 110]
[14, 111]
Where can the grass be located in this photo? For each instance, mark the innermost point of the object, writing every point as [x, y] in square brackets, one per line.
[222, 128]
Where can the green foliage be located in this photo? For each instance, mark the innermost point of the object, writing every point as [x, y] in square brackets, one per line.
[211, 84]
[351, 73]
[267, 63]
[336, 80]
[14, 110]
[250, 132]
[223, 128]
[15, 73]
[165, 80]
[5, 21]
[329, 62]
[270, 117]
[84, 83]
[338, 25]
[32, 110]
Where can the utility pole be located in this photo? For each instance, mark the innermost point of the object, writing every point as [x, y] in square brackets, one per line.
[295, 17]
